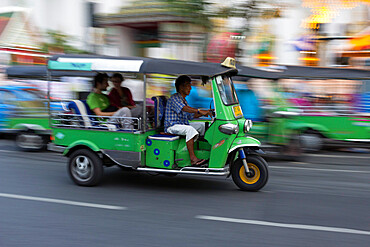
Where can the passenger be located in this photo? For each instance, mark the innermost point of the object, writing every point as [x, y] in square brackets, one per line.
[99, 102]
[121, 96]
[178, 114]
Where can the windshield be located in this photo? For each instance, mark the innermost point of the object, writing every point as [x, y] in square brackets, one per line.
[226, 89]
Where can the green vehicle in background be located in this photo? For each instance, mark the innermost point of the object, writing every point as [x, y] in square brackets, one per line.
[91, 142]
[24, 109]
[24, 114]
[308, 109]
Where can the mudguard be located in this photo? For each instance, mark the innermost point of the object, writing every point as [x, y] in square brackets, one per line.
[304, 126]
[244, 142]
[34, 127]
[86, 143]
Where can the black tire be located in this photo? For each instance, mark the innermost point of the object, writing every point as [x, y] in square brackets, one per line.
[258, 177]
[293, 151]
[311, 141]
[171, 175]
[30, 141]
[85, 168]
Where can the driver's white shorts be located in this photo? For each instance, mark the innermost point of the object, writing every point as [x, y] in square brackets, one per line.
[190, 131]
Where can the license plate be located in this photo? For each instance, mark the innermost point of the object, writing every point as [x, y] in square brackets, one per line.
[237, 111]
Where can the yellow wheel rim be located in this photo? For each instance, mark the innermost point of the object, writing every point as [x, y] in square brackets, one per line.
[252, 168]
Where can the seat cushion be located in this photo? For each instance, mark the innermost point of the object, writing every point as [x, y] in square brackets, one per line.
[159, 110]
[164, 137]
[80, 107]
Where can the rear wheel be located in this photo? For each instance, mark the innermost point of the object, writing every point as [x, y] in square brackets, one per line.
[29, 141]
[85, 167]
[257, 176]
[293, 150]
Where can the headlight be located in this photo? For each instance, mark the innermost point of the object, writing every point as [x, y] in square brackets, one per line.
[248, 125]
[229, 128]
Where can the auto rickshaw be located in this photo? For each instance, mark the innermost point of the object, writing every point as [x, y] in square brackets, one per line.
[92, 142]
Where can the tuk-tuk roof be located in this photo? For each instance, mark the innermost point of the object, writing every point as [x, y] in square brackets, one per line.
[305, 72]
[135, 65]
[245, 71]
[38, 72]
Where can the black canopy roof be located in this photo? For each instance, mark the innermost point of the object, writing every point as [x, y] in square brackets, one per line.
[324, 73]
[39, 72]
[244, 71]
[155, 65]
[304, 72]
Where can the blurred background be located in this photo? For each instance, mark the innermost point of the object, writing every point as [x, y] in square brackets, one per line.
[256, 32]
[268, 35]
[304, 81]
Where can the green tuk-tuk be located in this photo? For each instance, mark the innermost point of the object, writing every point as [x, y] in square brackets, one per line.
[307, 108]
[92, 142]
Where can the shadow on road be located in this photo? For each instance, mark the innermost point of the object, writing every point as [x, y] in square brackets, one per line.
[114, 177]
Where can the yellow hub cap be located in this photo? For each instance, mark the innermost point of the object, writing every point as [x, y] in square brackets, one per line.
[255, 172]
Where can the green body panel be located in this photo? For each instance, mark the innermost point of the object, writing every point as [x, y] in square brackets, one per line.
[259, 130]
[161, 153]
[18, 123]
[338, 127]
[279, 132]
[244, 142]
[110, 140]
[201, 150]
[220, 143]
[86, 143]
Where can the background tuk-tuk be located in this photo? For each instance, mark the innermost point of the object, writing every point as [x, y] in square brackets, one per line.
[24, 107]
[92, 142]
[307, 108]
[333, 106]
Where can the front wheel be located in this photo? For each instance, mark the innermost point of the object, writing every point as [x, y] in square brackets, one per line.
[257, 177]
[85, 167]
[311, 141]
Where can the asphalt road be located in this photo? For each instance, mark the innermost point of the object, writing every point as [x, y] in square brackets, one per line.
[322, 201]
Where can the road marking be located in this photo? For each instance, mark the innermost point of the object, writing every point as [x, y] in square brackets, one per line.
[9, 151]
[67, 202]
[283, 225]
[318, 169]
[338, 156]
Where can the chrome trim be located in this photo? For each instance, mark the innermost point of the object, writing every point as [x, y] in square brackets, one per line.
[93, 122]
[247, 125]
[191, 170]
[56, 148]
[229, 128]
[243, 145]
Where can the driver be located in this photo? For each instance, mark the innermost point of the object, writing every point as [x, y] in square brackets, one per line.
[177, 116]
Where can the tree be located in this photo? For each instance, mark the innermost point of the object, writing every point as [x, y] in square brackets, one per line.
[198, 11]
[58, 43]
[249, 10]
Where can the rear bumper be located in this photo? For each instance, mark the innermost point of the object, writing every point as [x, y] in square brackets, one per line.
[56, 148]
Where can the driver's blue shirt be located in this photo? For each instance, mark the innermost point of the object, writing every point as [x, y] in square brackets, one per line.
[174, 113]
